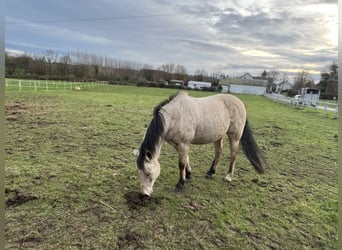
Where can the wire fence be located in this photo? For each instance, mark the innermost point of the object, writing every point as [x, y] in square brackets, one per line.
[325, 106]
[49, 85]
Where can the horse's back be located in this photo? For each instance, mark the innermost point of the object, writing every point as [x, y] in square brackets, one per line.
[202, 120]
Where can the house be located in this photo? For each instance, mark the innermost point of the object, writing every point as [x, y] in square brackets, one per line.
[245, 84]
[246, 76]
[282, 85]
[198, 85]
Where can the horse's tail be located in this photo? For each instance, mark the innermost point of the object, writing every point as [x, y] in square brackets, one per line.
[251, 149]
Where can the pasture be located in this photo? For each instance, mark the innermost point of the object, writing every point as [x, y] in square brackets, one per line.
[70, 177]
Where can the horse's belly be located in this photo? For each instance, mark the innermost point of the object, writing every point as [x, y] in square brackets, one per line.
[205, 136]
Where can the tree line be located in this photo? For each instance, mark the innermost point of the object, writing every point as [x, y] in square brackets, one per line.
[81, 66]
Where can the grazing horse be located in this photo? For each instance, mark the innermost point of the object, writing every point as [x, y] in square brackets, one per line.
[182, 120]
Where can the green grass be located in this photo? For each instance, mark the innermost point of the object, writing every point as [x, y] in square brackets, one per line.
[69, 168]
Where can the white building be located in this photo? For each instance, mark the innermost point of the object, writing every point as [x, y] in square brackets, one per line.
[247, 89]
[245, 84]
[282, 85]
[198, 85]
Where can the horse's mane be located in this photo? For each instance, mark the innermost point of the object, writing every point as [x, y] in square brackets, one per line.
[154, 132]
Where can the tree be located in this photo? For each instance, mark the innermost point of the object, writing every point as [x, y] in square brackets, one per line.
[200, 75]
[169, 68]
[180, 72]
[64, 65]
[264, 74]
[328, 82]
[10, 65]
[333, 71]
[274, 75]
[301, 81]
[50, 57]
[38, 66]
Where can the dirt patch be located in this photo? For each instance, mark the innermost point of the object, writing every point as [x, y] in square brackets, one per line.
[130, 240]
[135, 200]
[31, 239]
[16, 197]
[15, 110]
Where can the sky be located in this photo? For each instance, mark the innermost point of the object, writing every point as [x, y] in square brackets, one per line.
[228, 37]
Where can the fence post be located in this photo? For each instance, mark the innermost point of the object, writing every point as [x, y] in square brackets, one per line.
[35, 86]
[47, 87]
[6, 82]
[19, 85]
[325, 108]
[336, 111]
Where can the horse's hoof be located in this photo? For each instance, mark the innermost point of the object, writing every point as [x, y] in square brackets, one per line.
[188, 177]
[208, 176]
[178, 189]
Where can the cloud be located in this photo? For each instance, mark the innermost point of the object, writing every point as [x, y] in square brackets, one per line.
[15, 52]
[227, 36]
[54, 31]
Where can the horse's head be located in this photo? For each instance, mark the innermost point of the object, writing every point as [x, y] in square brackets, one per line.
[149, 170]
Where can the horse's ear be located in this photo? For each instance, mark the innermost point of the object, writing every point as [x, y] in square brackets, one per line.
[148, 156]
[135, 153]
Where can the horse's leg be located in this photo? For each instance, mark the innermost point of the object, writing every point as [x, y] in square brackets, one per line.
[183, 151]
[234, 147]
[218, 149]
[187, 168]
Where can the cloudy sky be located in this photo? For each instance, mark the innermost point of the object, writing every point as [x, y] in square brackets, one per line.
[230, 36]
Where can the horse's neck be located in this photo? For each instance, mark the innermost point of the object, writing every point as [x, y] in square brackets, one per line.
[161, 138]
[158, 145]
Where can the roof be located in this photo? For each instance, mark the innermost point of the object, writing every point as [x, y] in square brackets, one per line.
[246, 76]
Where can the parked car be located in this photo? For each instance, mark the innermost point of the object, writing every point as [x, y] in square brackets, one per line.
[298, 99]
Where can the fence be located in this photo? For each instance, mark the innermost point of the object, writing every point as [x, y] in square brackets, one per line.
[22, 85]
[326, 106]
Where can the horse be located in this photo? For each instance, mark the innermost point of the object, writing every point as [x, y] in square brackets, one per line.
[182, 120]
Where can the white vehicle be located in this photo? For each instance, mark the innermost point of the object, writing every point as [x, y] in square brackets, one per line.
[297, 99]
[308, 97]
[198, 85]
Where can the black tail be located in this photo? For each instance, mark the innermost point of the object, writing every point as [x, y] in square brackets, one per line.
[251, 149]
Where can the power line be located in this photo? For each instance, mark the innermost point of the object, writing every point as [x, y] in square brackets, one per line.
[93, 19]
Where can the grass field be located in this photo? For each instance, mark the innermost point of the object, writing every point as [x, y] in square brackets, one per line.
[70, 173]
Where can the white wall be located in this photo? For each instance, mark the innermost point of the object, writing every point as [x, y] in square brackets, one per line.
[247, 89]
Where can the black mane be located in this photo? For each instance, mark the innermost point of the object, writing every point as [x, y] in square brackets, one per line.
[153, 134]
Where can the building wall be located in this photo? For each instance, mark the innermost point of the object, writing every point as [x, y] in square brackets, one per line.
[245, 89]
[239, 81]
